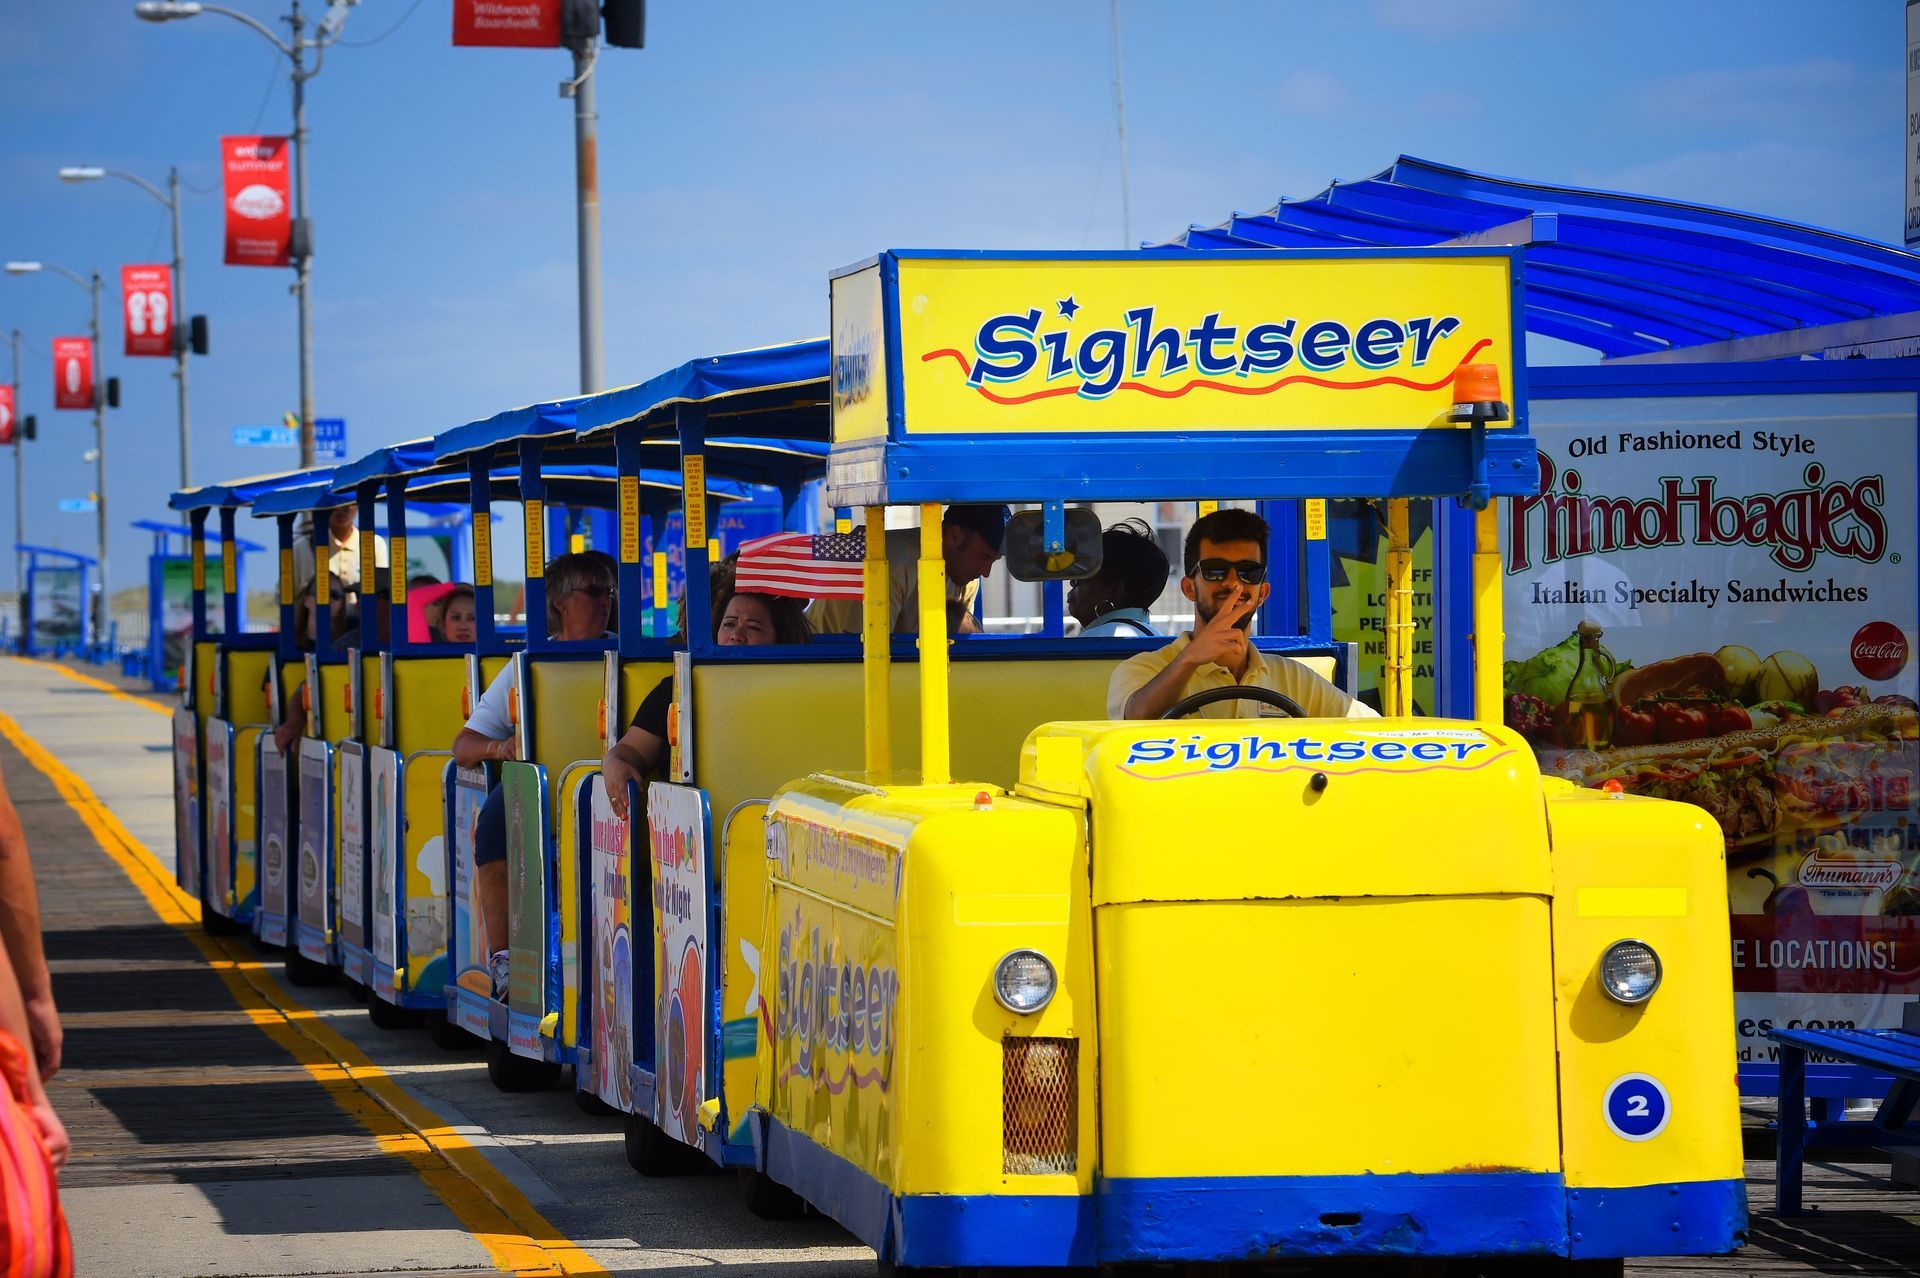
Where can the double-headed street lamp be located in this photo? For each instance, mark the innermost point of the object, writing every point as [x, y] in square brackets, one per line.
[301, 250]
[91, 283]
[177, 329]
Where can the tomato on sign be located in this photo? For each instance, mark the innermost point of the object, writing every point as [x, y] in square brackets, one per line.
[6, 414]
[259, 198]
[146, 305]
[526, 24]
[72, 372]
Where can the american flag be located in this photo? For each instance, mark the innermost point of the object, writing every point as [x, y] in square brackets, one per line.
[804, 565]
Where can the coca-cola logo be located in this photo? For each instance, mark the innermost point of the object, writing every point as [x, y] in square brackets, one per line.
[258, 202]
[1879, 650]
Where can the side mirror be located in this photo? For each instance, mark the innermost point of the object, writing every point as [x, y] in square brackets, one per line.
[1026, 547]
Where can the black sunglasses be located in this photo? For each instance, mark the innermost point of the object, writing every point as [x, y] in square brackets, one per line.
[606, 592]
[1250, 572]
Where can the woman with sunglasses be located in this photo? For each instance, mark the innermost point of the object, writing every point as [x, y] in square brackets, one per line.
[579, 602]
[1226, 578]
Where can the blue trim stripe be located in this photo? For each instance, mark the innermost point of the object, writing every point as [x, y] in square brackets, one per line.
[1228, 1218]
[1693, 1218]
[1242, 1218]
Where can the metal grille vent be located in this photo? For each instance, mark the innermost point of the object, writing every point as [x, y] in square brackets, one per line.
[1039, 1105]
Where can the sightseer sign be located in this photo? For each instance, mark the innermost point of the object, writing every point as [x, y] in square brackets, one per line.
[1093, 343]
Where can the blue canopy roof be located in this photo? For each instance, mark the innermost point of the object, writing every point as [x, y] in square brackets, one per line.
[1623, 274]
[776, 390]
[592, 486]
[241, 492]
[395, 459]
[296, 499]
[530, 421]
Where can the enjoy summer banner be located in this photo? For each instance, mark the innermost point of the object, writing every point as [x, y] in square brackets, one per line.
[1713, 600]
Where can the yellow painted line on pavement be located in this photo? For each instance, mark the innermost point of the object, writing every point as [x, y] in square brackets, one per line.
[119, 694]
[487, 1204]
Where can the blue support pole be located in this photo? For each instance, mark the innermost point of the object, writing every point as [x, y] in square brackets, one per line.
[289, 647]
[399, 638]
[197, 549]
[480, 503]
[631, 617]
[229, 575]
[533, 500]
[692, 422]
[367, 507]
[321, 538]
[1453, 608]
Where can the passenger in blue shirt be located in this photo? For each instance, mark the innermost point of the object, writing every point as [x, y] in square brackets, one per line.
[1133, 572]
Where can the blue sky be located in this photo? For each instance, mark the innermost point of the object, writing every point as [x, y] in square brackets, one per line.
[753, 146]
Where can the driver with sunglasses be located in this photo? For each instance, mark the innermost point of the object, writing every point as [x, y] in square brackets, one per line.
[1226, 577]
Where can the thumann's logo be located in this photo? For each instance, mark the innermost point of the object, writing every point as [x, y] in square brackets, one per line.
[1170, 356]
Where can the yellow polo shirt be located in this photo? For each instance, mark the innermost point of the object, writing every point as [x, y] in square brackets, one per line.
[1320, 699]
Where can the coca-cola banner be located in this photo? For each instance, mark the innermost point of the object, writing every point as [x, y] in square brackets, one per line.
[72, 372]
[1713, 600]
[6, 414]
[531, 24]
[259, 196]
[146, 307]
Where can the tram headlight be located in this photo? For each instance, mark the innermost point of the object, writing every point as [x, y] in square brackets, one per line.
[1629, 972]
[1024, 981]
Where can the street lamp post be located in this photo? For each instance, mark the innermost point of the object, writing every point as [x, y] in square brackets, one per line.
[91, 283]
[177, 332]
[295, 51]
[19, 489]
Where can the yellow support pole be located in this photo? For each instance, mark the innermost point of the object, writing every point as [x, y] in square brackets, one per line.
[1489, 626]
[1397, 694]
[877, 609]
[935, 767]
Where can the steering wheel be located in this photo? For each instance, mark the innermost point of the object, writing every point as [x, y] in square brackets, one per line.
[1236, 692]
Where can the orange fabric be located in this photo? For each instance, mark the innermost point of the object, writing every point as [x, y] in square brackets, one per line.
[33, 1231]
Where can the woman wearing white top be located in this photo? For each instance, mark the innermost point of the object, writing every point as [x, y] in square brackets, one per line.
[579, 602]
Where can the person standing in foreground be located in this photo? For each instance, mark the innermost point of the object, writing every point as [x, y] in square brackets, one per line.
[33, 1141]
[1226, 578]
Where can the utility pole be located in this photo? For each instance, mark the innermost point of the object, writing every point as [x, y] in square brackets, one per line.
[178, 332]
[301, 250]
[302, 238]
[178, 326]
[1120, 121]
[19, 489]
[586, 170]
[99, 466]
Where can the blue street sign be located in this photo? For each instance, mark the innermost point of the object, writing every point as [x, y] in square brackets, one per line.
[264, 437]
[75, 505]
[329, 439]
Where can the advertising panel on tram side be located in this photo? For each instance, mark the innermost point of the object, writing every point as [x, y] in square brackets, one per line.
[1713, 600]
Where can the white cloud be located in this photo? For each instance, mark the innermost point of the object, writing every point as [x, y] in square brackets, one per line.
[1819, 98]
[1314, 92]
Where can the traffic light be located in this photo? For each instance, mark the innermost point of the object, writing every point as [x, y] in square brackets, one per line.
[579, 20]
[197, 335]
[626, 23]
[29, 428]
[113, 392]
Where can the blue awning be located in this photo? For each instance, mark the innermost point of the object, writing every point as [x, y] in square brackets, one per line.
[241, 492]
[530, 421]
[1622, 274]
[297, 500]
[774, 391]
[403, 458]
